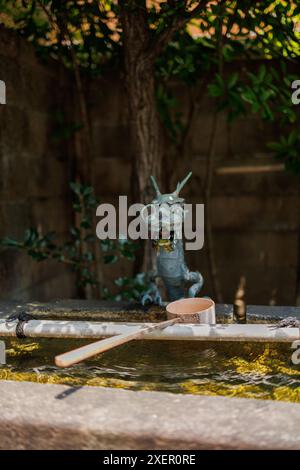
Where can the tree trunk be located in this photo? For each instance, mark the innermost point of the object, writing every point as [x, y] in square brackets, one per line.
[298, 269]
[209, 241]
[144, 122]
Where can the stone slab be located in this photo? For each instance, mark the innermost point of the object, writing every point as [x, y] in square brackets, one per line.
[46, 416]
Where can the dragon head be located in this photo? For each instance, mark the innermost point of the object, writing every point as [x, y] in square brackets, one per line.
[168, 215]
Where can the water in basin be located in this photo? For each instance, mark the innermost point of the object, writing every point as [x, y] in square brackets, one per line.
[253, 370]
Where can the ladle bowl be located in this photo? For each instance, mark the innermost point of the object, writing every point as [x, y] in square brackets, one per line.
[192, 310]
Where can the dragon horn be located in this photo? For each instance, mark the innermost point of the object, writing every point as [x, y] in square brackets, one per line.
[183, 182]
[155, 185]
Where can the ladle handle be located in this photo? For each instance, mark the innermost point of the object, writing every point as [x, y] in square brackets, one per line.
[85, 352]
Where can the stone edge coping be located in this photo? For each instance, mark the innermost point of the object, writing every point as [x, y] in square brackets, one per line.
[48, 416]
[106, 310]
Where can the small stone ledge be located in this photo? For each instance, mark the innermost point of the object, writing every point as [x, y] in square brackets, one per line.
[117, 311]
[46, 416]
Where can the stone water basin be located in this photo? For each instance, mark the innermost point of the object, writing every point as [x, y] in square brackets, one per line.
[148, 394]
[232, 369]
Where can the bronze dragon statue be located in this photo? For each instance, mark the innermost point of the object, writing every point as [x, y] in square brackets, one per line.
[170, 259]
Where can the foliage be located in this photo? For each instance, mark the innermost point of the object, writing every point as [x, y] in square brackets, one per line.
[132, 288]
[287, 148]
[221, 32]
[238, 33]
[57, 29]
[63, 130]
[78, 251]
[266, 92]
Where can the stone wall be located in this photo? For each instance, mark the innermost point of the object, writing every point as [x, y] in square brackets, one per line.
[33, 168]
[255, 216]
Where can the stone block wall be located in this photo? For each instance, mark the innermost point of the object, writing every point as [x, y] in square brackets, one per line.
[34, 169]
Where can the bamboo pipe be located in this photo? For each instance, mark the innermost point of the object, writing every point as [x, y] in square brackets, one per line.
[85, 352]
[178, 332]
[248, 169]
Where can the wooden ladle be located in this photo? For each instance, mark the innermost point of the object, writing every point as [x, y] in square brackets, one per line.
[193, 310]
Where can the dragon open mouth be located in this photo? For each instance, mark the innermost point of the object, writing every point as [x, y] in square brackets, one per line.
[166, 244]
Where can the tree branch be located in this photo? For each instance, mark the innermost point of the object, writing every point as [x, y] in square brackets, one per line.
[178, 22]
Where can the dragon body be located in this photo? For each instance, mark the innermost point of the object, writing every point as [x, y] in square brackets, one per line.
[170, 259]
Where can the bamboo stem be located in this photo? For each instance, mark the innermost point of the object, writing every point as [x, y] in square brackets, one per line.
[249, 169]
[177, 332]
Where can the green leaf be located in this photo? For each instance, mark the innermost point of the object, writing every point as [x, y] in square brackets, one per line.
[10, 242]
[110, 259]
[75, 232]
[90, 238]
[232, 80]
